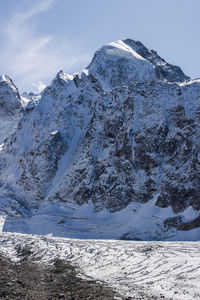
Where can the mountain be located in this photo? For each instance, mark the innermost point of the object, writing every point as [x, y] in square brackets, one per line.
[110, 152]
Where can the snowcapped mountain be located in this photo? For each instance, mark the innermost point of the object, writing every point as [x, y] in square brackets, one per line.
[110, 152]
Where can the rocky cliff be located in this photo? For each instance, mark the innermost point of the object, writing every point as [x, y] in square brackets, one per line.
[10, 107]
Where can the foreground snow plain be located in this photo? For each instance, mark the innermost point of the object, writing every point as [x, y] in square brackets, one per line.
[140, 270]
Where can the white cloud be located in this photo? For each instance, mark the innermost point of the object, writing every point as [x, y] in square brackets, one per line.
[28, 56]
[39, 85]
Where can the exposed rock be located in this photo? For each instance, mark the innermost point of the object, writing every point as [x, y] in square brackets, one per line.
[10, 107]
[28, 280]
[9, 96]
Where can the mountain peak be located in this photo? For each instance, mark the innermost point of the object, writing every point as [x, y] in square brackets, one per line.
[120, 48]
[126, 61]
[10, 99]
[7, 80]
[118, 64]
[10, 107]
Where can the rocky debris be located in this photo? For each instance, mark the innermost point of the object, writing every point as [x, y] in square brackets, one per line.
[173, 222]
[28, 280]
[179, 223]
[30, 95]
[195, 223]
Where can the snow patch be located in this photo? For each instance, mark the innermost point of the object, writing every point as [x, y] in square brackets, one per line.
[122, 49]
[2, 222]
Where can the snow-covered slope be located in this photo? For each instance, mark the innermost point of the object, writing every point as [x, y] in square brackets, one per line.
[111, 152]
[124, 62]
[118, 64]
[164, 70]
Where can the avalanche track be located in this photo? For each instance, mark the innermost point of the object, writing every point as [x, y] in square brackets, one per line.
[139, 270]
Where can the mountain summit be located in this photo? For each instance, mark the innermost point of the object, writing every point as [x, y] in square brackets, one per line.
[110, 152]
[125, 62]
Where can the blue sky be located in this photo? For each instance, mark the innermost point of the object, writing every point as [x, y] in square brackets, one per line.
[38, 38]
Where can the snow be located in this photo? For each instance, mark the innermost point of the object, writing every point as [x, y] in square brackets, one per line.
[125, 66]
[54, 132]
[8, 125]
[167, 270]
[2, 77]
[137, 221]
[72, 106]
[197, 80]
[8, 82]
[119, 48]
[2, 222]
[24, 101]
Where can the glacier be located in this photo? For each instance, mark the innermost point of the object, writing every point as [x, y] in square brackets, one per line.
[138, 270]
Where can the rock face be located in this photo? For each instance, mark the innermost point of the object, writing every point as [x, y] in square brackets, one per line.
[163, 70]
[121, 137]
[10, 107]
[9, 96]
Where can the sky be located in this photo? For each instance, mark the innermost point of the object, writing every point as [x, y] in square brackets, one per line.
[41, 37]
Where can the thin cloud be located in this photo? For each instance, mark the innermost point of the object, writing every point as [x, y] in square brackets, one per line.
[38, 7]
[29, 56]
[39, 85]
